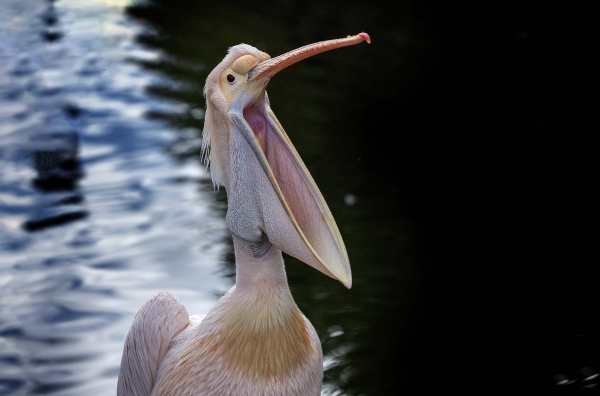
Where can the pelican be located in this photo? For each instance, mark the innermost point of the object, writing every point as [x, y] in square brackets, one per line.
[255, 341]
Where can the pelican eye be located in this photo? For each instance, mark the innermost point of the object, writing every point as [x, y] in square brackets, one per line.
[230, 78]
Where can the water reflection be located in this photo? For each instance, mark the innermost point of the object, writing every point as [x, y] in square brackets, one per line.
[95, 215]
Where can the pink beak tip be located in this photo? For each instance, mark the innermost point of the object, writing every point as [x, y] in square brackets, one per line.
[365, 37]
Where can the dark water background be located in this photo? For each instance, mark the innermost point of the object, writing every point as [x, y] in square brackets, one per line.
[435, 148]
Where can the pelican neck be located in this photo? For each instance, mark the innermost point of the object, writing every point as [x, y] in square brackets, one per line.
[255, 273]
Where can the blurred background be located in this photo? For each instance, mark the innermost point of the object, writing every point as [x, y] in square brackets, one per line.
[442, 150]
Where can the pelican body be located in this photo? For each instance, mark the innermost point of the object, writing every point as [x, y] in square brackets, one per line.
[255, 341]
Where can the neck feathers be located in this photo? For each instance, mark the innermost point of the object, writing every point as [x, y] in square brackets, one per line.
[266, 335]
[255, 341]
[262, 319]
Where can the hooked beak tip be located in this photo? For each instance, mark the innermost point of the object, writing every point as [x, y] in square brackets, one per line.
[365, 37]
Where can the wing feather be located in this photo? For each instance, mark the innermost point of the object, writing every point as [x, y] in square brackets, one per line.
[153, 328]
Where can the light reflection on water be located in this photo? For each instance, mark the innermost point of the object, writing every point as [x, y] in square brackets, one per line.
[95, 216]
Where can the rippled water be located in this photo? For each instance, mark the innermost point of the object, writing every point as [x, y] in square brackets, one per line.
[95, 215]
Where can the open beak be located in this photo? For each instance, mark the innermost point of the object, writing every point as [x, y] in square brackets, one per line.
[306, 229]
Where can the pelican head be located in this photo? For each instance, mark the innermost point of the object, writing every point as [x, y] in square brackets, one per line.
[273, 200]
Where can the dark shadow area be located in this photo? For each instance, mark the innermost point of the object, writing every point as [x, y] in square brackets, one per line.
[40, 224]
[58, 169]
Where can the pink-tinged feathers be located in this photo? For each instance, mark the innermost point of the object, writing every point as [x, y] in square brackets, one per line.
[153, 328]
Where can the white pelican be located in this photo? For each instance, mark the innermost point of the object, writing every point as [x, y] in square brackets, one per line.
[255, 341]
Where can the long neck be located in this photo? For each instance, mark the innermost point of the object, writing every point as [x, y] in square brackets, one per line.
[262, 295]
[252, 273]
[262, 329]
